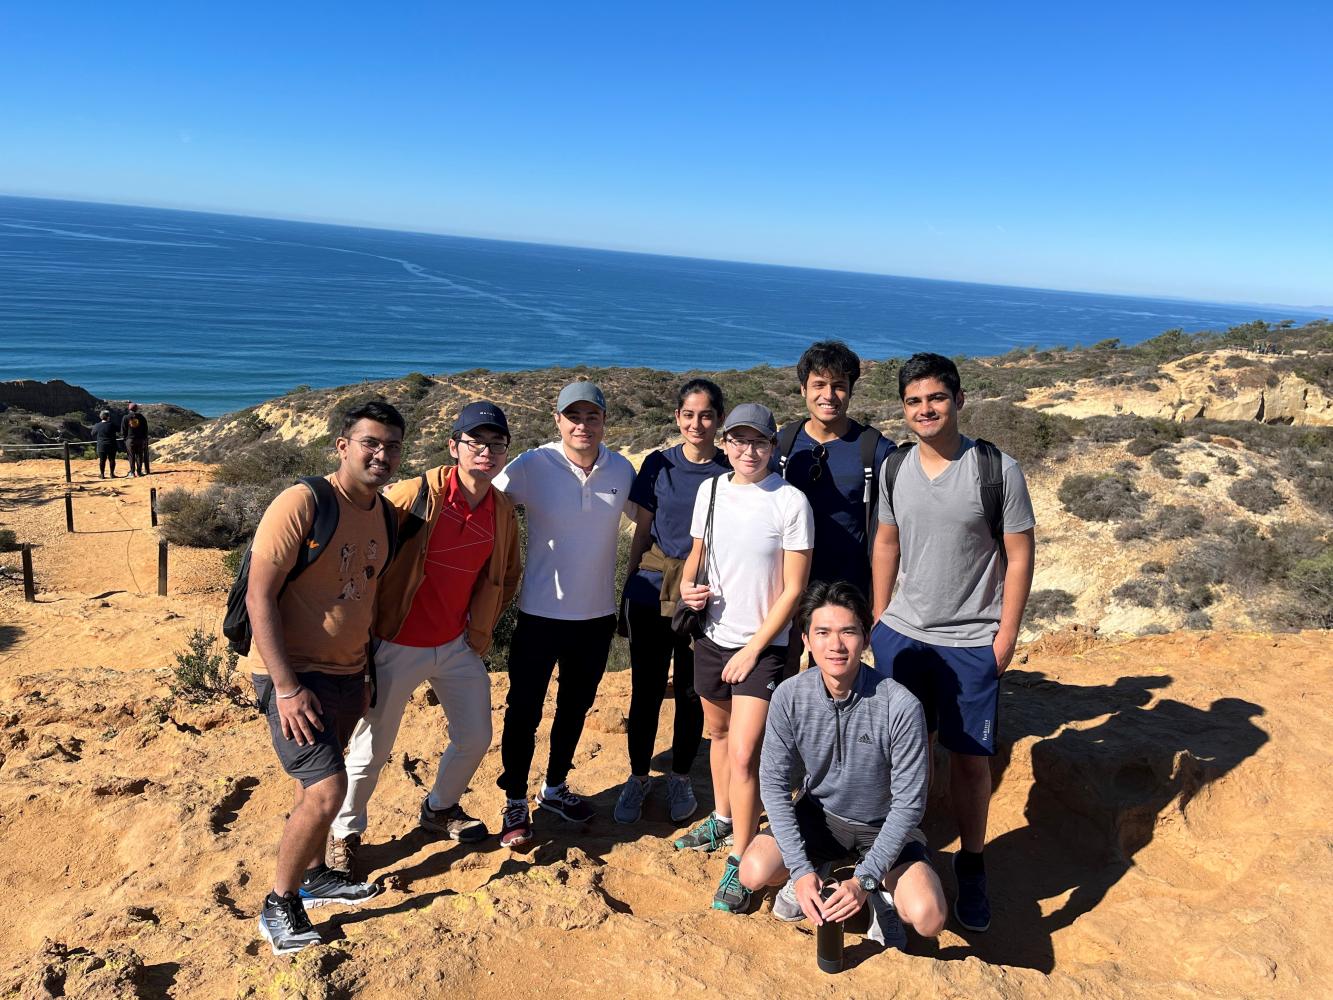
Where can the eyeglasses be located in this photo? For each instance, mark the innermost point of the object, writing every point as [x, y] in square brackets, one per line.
[373, 446]
[478, 447]
[817, 467]
[756, 445]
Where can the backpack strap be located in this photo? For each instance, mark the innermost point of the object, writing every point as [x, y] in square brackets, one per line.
[321, 529]
[786, 442]
[889, 470]
[416, 516]
[391, 527]
[869, 439]
[991, 475]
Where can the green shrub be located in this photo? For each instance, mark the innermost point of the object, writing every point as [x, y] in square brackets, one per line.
[1255, 494]
[1044, 605]
[202, 673]
[1101, 498]
[221, 517]
[274, 461]
[1028, 436]
[231, 562]
[1311, 585]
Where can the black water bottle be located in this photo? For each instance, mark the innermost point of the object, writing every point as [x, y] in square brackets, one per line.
[828, 937]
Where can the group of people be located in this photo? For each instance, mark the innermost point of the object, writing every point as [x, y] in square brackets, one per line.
[821, 537]
[133, 431]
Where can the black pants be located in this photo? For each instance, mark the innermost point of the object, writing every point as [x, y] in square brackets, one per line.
[581, 649]
[138, 456]
[652, 647]
[104, 458]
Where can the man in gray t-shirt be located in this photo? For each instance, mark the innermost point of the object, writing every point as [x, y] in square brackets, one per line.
[952, 573]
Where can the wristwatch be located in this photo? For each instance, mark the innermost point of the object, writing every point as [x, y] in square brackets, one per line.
[868, 882]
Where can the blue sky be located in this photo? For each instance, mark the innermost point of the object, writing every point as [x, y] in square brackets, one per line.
[1176, 149]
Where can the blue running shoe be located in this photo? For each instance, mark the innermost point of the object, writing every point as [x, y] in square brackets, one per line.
[971, 907]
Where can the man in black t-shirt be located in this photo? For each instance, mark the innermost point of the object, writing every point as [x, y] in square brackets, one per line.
[134, 429]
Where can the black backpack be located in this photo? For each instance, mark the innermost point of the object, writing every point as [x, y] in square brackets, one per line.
[236, 622]
[992, 480]
[869, 440]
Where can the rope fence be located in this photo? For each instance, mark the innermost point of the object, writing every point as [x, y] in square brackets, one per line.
[65, 448]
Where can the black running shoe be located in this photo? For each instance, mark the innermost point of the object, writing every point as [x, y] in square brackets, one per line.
[565, 804]
[323, 884]
[284, 925]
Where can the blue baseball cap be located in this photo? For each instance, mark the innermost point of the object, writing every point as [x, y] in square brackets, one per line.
[580, 392]
[482, 413]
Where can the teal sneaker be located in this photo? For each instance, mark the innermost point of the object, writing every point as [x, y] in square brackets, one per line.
[731, 896]
[709, 835]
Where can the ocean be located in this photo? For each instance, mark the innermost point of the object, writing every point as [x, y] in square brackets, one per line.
[218, 312]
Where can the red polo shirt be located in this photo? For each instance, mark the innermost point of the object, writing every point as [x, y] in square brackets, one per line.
[457, 552]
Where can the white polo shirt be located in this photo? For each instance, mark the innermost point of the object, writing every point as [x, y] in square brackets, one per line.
[569, 569]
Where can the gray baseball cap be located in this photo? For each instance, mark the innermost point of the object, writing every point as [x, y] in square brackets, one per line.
[754, 415]
[580, 392]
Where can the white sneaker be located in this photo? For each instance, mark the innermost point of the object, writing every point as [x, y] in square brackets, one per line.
[785, 904]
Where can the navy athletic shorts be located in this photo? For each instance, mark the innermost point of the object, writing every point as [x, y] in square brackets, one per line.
[957, 686]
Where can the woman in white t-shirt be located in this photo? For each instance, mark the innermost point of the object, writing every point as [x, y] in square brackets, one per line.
[757, 562]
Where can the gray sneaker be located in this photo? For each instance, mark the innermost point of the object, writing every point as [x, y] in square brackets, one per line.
[681, 802]
[323, 884]
[284, 925]
[709, 835]
[629, 807]
[785, 904]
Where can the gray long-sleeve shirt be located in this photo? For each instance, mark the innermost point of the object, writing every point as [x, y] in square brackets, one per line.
[865, 760]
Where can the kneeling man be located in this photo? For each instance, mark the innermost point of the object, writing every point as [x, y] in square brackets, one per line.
[862, 739]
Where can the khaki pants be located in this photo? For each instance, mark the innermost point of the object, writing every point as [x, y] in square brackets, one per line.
[459, 680]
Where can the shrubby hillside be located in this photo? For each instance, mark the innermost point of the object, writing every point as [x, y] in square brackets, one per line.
[1183, 482]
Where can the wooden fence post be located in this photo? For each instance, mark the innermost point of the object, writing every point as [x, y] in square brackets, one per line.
[162, 568]
[29, 587]
[69, 511]
[152, 505]
[68, 477]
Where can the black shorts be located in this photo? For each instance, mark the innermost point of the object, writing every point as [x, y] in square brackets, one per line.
[340, 709]
[829, 838]
[710, 658]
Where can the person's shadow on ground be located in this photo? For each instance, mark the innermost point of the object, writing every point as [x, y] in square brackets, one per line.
[1095, 799]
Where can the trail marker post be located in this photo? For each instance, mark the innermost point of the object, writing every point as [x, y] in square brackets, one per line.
[162, 568]
[29, 586]
[152, 506]
[69, 511]
[68, 477]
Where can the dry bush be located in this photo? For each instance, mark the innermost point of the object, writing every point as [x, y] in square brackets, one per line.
[220, 517]
[1044, 605]
[1141, 592]
[1227, 465]
[1101, 498]
[1026, 435]
[1255, 494]
[1165, 463]
[1197, 479]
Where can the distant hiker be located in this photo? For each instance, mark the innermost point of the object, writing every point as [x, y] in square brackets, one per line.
[456, 569]
[664, 492]
[834, 461]
[134, 429]
[310, 656]
[952, 568]
[574, 491]
[752, 539]
[861, 740]
[104, 438]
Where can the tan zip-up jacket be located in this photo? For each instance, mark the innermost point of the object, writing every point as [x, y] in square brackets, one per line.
[496, 583]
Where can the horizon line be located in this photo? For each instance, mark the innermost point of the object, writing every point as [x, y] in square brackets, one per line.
[1321, 310]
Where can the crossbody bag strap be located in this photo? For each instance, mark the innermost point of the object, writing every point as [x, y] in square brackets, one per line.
[702, 575]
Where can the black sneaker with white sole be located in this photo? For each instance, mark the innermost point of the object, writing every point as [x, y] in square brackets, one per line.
[284, 925]
[564, 803]
[323, 884]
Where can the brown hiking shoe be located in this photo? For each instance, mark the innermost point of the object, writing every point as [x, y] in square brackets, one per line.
[340, 853]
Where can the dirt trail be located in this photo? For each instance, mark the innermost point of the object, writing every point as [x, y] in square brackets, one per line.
[1159, 825]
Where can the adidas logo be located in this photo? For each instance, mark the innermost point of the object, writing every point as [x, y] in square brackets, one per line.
[865, 738]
